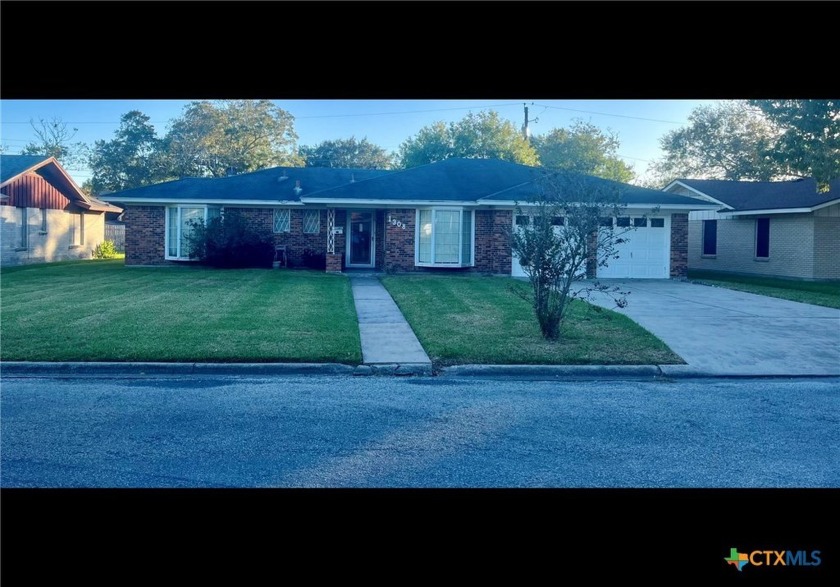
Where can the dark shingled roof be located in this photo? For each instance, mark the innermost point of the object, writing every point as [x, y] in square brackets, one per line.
[452, 180]
[258, 185]
[12, 165]
[448, 180]
[765, 195]
[484, 180]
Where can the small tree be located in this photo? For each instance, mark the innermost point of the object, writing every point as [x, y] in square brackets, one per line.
[567, 233]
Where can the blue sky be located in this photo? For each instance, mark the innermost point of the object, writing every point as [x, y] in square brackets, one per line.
[638, 123]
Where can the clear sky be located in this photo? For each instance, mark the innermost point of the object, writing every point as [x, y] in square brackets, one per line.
[387, 123]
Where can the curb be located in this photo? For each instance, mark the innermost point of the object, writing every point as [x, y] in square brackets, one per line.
[117, 369]
[555, 371]
[559, 372]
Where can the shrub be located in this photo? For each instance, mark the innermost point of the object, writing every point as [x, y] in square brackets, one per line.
[105, 250]
[314, 260]
[229, 242]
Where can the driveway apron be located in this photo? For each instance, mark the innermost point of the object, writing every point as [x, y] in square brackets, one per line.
[727, 332]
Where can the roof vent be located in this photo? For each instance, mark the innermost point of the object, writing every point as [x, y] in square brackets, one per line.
[283, 175]
[298, 189]
[352, 178]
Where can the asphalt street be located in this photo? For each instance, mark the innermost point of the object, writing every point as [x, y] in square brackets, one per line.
[337, 431]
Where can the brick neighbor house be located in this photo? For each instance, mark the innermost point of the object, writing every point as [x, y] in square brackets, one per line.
[773, 228]
[453, 214]
[44, 216]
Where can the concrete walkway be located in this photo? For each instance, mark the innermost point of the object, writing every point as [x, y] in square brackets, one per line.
[720, 331]
[386, 336]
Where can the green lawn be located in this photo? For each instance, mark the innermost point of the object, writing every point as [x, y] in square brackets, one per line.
[471, 319]
[821, 293]
[104, 311]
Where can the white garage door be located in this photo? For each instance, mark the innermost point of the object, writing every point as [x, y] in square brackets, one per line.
[645, 252]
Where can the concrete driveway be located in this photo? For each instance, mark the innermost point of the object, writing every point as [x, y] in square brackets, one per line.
[726, 332]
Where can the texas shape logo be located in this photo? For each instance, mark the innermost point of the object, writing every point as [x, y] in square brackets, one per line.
[737, 559]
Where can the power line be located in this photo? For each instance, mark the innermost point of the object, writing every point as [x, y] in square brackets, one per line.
[608, 114]
[352, 115]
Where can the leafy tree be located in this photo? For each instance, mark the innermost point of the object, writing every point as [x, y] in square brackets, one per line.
[555, 253]
[347, 153]
[54, 140]
[810, 137]
[231, 136]
[728, 140]
[481, 136]
[583, 148]
[133, 158]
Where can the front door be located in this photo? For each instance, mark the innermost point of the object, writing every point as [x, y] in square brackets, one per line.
[360, 239]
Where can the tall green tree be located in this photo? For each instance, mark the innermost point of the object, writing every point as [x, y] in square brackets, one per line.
[231, 136]
[347, 153]
[727, 140]
[481, 136]
[583, 148]
[809, 144]
[133, 158]
[55, 139]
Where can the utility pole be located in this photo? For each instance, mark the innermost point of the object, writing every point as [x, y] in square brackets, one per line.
[526, 132]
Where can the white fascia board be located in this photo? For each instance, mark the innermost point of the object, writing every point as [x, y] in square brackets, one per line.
[825, 205]
[633, 206]
[769, 211]
[700, 194]
[348, 203]
[178, 202]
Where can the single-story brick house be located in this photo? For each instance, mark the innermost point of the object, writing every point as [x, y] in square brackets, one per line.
[451, 214]
[774, 228]
[44, 216]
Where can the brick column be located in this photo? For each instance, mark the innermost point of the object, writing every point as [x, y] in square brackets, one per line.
[144, 235]
[399, 239]
[679, 246]
[334, 262]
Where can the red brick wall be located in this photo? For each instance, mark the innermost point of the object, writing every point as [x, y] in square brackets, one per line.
[296, 241]
[145, 235]
[398, 245]
[379, 246]
[492, 241]
[679, 245]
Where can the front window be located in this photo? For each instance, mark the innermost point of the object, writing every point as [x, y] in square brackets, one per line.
[24, 229]
[76, 228]
[282, 221]
[710, 237]
[43, 220]
[445, 237]
[312, 222]
[180, 221]
[762, 238]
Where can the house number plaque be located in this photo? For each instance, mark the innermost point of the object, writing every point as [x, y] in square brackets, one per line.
[395, 222]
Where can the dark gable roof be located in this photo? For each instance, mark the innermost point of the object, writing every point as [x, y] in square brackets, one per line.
[629, 194]
[765, 195]
[265, 184]
[13, 165]
[448, 180]
[480, 180]
[452, 180]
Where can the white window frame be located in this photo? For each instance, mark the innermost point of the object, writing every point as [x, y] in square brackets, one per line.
[178, 225]
[318, 227]
[288, 224]
[460, 263]
[24, 229]
[43, 221]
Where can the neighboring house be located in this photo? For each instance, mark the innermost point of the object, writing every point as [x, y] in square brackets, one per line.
[774, 228]
[464, 209]
[44, 216]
